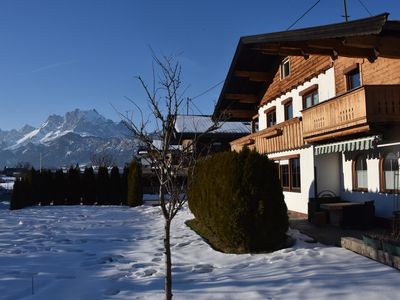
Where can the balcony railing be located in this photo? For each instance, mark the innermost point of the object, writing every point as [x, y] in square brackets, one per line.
[283, 136]
[354, 112]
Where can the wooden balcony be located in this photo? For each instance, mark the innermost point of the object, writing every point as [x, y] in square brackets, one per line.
[357, 111]
[283, 136]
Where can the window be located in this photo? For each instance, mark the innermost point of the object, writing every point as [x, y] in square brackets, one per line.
[288, 106]
[284, 171]
[310, 99]
[353, 79]
[390, 173]
[310, 96]
[289, 173]
[295, 170]
[285, 68]
[360, 176]
[271, 117]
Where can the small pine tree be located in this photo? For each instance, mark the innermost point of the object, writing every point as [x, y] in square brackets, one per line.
[73, 186]
[59, 182]
[46, 187]
[124, 185]
[135, 193]
[115, 186]
[33, 188]
[103, 186]
[16, 201]
[88, 186]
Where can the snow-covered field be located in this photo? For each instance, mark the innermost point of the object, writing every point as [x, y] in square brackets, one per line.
[116, 253]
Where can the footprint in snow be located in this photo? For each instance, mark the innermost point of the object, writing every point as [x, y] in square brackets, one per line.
[111, 292]
[149, 272]
[143, 265]
[203, 268]
[241, 266]
[118, 276]
[313, 253]
[156, 259]
[180, 245]
[275, 258]
[182, 269]
[145, 273]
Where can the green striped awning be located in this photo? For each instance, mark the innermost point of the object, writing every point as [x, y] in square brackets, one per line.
[345, 146]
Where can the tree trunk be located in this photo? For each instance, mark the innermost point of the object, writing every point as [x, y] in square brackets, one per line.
[167, 244]
[168, 262]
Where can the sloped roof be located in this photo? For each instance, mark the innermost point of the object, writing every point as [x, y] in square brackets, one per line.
[257, 57]
[200, 124]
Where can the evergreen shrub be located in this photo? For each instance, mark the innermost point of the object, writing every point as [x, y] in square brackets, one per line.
[238, 197]
[135, 192]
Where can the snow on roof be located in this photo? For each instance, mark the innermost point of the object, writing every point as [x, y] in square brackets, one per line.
[198, 124]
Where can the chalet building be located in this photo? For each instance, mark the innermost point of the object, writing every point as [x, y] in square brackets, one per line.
[209, 139]
[324, 104]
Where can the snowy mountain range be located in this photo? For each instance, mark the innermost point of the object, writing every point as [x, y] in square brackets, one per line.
[65, 140]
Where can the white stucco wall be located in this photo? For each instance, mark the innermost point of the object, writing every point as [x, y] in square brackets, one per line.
[299, 201]
[326, 90]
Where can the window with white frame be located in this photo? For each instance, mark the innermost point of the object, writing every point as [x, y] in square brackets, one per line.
[360, 173]
[390, 173]
[271, 117]
[285, 68]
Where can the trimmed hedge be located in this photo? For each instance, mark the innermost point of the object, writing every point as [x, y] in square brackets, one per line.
[74, 188]
[238, 197]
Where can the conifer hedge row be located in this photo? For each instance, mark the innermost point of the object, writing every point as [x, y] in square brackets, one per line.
[238, 197]
[74, 188]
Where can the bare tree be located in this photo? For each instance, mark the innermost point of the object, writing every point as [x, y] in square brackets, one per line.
[169, 162]
[102, 159]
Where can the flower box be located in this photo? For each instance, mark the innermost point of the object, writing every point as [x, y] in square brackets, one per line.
[372, 241]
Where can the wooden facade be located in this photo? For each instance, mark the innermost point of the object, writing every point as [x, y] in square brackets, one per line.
[301, 71]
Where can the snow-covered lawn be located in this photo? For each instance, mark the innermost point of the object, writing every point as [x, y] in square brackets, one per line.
[116, 253]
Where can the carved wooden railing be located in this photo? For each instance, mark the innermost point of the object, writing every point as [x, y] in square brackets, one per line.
[283, 136]
[353, 112]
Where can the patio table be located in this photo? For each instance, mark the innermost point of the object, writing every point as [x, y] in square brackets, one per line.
[336, 211]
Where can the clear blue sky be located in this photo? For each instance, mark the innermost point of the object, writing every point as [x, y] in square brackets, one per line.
[56, 55]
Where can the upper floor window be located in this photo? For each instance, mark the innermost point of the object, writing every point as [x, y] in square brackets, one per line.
[271, 117]
[310, 96]
[353, 78]
[310, 99]
[360, 175]
[390, 173]
[288, 107]
[285, 68]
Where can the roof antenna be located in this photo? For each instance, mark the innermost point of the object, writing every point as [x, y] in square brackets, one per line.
[346, 16]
